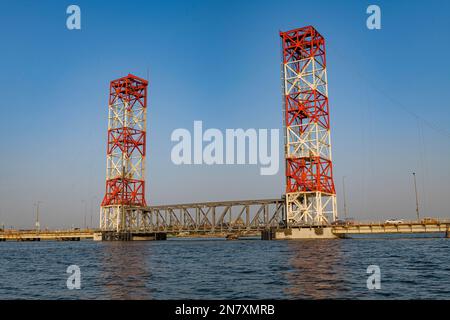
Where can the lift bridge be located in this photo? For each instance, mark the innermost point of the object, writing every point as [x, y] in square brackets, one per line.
[264, 217]
[308, 207]
[310, 197]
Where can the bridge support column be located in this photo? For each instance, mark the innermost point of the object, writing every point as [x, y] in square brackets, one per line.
[447, 233]
[313, 232]
[268, 234]
[129, 236]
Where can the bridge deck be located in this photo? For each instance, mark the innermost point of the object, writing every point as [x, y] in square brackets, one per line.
[63, 235]
[441, 226]
[380, 228]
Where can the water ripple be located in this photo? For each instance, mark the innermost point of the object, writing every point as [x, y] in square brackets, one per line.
[212, 269]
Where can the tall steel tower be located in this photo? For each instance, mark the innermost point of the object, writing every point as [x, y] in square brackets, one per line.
[125, 165]
[310, 192]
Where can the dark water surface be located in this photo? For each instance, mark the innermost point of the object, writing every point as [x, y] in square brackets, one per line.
[218, 269]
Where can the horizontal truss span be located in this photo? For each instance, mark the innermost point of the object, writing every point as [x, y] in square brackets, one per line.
[224, 216]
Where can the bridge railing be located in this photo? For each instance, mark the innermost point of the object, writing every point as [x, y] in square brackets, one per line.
[403, 222]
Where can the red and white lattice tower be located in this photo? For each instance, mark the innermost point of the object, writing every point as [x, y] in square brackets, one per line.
[125, 165]
[310, 192]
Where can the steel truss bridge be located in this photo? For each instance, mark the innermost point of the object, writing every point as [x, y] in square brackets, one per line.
[224, 216]
[248, 216]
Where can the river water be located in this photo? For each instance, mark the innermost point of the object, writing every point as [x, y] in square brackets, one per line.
[219, 269]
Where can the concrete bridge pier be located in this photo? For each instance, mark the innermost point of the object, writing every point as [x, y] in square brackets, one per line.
[29, 239]
[447, 233]
[293, 233]
[129, 236]
[268, 234]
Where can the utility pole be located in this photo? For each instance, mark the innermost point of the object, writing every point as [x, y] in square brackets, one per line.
[417, 197]
[85, 211]
[90, 210]
[93, 199]
[345, 200]
[2, 228]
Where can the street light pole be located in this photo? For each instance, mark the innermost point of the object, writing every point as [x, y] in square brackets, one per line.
[85, 212]
[417, 198]
[38, 224]
[345, 200]
[93, 199]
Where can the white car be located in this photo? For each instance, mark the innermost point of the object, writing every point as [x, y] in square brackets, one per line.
[394, 221]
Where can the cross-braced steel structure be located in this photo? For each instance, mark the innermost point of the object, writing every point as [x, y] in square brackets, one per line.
[224, 216]
[125, 166]
[310, 192]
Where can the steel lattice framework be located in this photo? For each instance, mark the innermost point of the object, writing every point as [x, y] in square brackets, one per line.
[224, 216]
[310, 192]
[125, 165]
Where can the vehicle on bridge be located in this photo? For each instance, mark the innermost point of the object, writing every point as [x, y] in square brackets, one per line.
[350, 221]
[338, 223]
[394, 221]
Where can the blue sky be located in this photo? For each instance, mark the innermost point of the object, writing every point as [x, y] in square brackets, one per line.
[219, 62]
